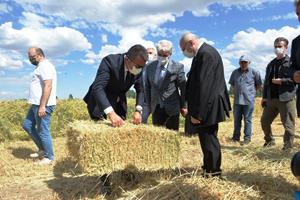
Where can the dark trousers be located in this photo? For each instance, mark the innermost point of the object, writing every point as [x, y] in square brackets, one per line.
[287, 111]
[161, 118]
[211, 149]
[298, 101]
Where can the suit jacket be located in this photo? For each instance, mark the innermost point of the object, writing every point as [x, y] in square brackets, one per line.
[206, 92]
[295, 53]
[109, 88]
[295, 64]
[170, 91]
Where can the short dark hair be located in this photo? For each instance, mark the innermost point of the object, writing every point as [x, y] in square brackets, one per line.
[296, 2]
[137, 50]
[39, 51]
[280, 39]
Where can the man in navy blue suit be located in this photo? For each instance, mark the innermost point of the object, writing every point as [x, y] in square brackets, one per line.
[115, 76]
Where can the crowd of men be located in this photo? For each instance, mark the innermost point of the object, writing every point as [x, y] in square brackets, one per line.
[165, 91]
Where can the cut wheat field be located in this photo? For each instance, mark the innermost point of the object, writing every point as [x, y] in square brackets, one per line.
[251, 171]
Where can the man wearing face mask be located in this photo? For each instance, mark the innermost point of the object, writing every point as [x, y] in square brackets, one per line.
[295, 57]
[116, 74]
[42, 97]
[165, 88]
[146, 110]
[207, 99]
[279, 96]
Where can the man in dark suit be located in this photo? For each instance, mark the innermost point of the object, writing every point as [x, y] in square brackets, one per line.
[165, 88]
[295, 57]
[207, 99]
[116, 74]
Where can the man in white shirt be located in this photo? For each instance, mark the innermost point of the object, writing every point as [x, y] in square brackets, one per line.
[42, 97]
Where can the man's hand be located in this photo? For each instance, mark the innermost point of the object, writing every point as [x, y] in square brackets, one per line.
[297, 76]
[263, 102]
[277, 81]
[115, 119]
[195, 121]
[137, 118]
[42, 111]
[183, 112]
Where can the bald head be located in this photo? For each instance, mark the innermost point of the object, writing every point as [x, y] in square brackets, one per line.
[189, 44]
[186, 37]
[35, 55]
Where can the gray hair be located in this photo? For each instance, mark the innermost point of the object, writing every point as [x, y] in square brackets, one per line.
[164, 45]
[188, 36]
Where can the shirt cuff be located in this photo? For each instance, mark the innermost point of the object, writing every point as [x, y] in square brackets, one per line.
[139, 108]
[108, 110]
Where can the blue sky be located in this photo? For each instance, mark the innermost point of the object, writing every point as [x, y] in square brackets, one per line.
[75, 35]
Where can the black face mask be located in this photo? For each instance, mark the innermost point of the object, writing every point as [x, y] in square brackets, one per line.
[34, 62]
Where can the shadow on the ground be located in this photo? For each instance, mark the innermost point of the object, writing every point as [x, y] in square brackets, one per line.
[21, 152]
[266, 184]
[71, 184]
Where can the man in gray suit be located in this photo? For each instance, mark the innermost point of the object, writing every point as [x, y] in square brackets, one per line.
[165, 88]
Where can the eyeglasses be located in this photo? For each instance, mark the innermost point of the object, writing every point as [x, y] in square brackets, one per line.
[163, 55]
[278, 46]
[137, 66]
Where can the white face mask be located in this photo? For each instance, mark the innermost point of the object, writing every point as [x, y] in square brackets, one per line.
[151, 57]
[279, 51]
[135, 71]
[163, 60]
[188, 54]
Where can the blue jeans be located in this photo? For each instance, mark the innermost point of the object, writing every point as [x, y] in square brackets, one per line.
[240, 111]
[39, 129]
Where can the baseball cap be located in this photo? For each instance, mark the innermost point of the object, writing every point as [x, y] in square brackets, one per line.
[244, 58]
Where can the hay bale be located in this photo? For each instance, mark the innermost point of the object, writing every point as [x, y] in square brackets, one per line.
[100, 148]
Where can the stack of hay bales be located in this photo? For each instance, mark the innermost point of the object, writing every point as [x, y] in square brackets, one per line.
[99, 148]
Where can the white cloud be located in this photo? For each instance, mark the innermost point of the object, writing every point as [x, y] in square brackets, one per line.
[5, 8]
[90, 58]
[80, 24]
[257, 45]
[15, 80]
[10, 59]
[31, 20]
[104, 38]
[187, 62]
[58, 41]
[288, 16]
[291, 15]
[131, 19]
[8, 95]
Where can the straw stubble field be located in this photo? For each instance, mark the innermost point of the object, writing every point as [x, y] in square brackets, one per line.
[252, 172]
